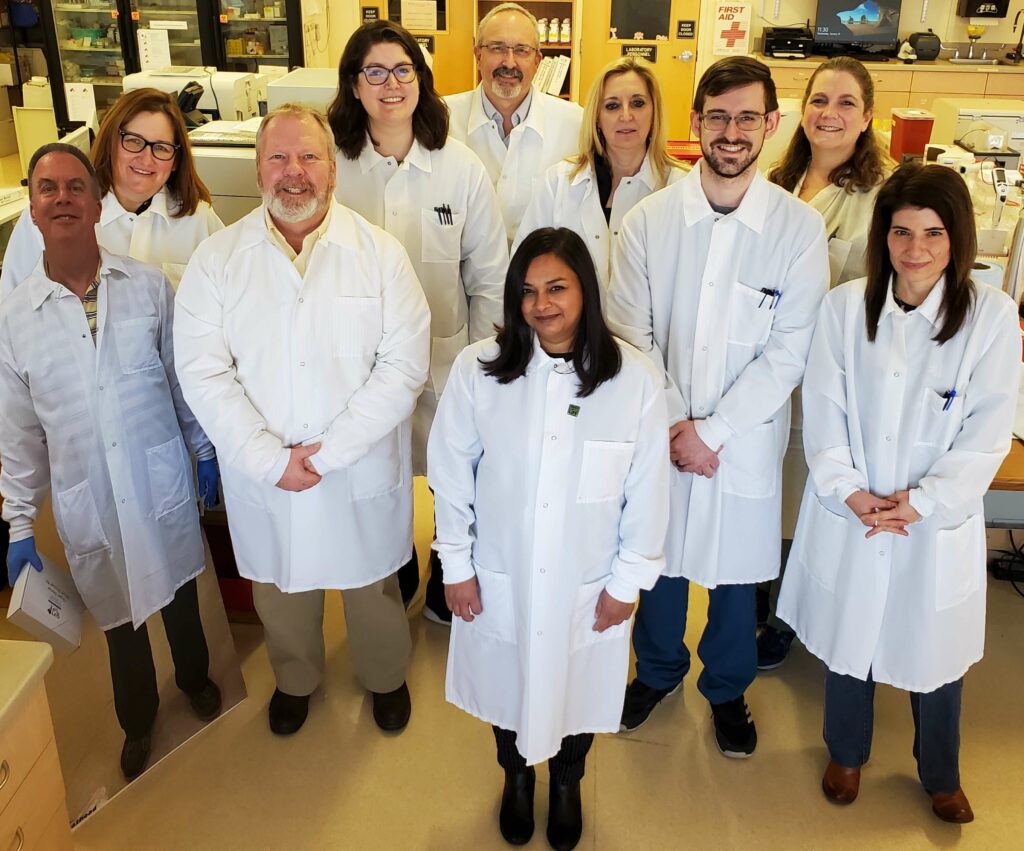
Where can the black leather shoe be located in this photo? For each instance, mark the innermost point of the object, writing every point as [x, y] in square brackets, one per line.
[391, 710]
[565, 816]
[287, 712]
[435, 607]
[516, 816]
[206, 702]
[135, 755]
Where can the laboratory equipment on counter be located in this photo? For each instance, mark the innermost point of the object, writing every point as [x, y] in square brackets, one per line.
[227, 95]
[310, 86]
[229, 171]
[953, 117]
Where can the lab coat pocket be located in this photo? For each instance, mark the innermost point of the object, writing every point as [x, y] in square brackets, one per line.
[603, 470]
[822, 537]
[750, 321]
[443, 351]
[585, 616]
[379, 470]
[135, 340]
[357, 326]
[80, 520]
[749, 465]
[939, 425]
[441, 242]
[959, 561]
[168, 476]
[497, 616]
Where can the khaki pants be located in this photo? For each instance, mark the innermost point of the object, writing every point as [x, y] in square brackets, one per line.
[293, 628]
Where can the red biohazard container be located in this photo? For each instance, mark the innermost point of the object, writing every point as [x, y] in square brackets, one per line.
[911, 130]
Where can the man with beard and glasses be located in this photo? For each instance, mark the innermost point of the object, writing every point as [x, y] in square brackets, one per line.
[302, 339]
[516, 130]
[719, 277]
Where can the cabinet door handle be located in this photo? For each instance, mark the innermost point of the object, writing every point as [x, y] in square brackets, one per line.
[19, 834]
[5, 773]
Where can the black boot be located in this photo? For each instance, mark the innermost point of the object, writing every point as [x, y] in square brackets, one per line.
[516, 816]
[565, 815]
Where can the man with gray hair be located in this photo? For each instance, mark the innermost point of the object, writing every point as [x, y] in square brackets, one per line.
[93, 414]
[303, 342]
[515, 129]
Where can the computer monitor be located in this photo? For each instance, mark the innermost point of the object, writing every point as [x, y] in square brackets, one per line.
[865, 26]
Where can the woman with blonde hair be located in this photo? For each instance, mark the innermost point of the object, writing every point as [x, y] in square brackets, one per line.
[155, 206]
[836, 164]
[622, 160]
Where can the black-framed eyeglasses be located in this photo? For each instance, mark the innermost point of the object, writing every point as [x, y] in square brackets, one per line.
[377, 75]
[719, 121]
[520, 51]
[133, 143]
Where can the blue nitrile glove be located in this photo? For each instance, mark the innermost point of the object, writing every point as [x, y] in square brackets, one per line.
[208, 478]
[19, 554]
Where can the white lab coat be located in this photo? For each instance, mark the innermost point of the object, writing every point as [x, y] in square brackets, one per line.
[687, 288]
[461, 265]
[105, 427]
[547, 508]
[911, 611]
[561, 201]
[269, 360]
[549, 133]
[847, 220]
[154, 237]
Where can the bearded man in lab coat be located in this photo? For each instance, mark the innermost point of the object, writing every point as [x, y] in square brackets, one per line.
[719, 278]
[515, 129]
[92, 411]
[303, 339]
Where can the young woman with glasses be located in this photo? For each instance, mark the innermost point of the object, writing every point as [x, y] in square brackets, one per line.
[155, 206]
[397, 168]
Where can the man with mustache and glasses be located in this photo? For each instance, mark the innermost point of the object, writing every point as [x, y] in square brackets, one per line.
[302, 339]
[516, 130]
[719, 277]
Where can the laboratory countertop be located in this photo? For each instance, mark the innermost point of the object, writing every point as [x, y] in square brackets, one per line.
[22, 663]
[943, 65]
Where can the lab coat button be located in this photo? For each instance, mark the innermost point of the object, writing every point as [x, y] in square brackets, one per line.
[112, 445]
[701, 409]
[302, 363]
[881, 552]
[301, 300]
[540, 633]
[888, 438]
[895, 375]
[394, 212]
[711, 283]
[703, 348]
[545, 505]
[101, 387]
[305, 425]
[554, 437]
[123, 501]
[597, 236]
[542, 570]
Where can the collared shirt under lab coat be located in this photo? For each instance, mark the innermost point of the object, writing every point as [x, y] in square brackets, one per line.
[847, 220]
[104, 426]
[269, 359]
[154, 237]
[561, 201]
[460, 263]
[548, 499]
[687, 288]
[551, 132]
[911, 611]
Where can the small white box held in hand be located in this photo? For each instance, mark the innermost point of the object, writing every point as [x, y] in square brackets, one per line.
[47, 605]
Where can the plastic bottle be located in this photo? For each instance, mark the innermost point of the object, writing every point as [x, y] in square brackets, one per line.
[542, 30]
[565, 37]
[553, 31]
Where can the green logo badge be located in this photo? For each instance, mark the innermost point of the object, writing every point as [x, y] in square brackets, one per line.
[573, 410]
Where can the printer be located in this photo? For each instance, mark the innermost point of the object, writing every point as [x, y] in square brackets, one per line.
[787, 42]
[228, 95]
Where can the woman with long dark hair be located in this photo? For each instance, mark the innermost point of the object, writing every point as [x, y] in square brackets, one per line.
[397, 168]
[909, 398]
[156, 208]
[549, 464]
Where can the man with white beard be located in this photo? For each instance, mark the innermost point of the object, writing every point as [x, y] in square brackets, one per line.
[302, 340]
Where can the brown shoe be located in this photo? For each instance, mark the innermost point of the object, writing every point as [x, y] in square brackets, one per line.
[840, 784]
[952, 807]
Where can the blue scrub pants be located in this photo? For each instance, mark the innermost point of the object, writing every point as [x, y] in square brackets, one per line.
[728, 646]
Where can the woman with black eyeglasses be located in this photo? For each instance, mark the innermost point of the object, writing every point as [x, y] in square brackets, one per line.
[155, 207]
[397, 168]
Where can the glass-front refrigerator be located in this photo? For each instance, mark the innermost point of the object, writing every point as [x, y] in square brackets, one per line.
[191, 34]
[260, 32]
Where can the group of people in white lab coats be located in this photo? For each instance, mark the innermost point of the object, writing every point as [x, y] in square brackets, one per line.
[602, 416]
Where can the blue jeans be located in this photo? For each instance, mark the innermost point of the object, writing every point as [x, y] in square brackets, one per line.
[728, 646]
[849, 721]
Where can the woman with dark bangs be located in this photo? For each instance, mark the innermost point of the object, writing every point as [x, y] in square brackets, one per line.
[549, 464]
[909, 399]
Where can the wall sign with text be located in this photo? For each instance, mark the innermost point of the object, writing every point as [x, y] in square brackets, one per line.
[641, 51]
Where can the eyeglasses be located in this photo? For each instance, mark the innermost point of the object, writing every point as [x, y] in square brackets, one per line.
[377, 75]
[135, 144]
[520, 51]
[718, 121]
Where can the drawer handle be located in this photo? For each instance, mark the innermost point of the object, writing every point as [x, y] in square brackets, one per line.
[5, 773]
[19, 834]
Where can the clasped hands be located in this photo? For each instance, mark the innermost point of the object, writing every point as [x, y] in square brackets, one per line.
[883, 513]
[300, 474]
[463, 598]
[688, 452]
